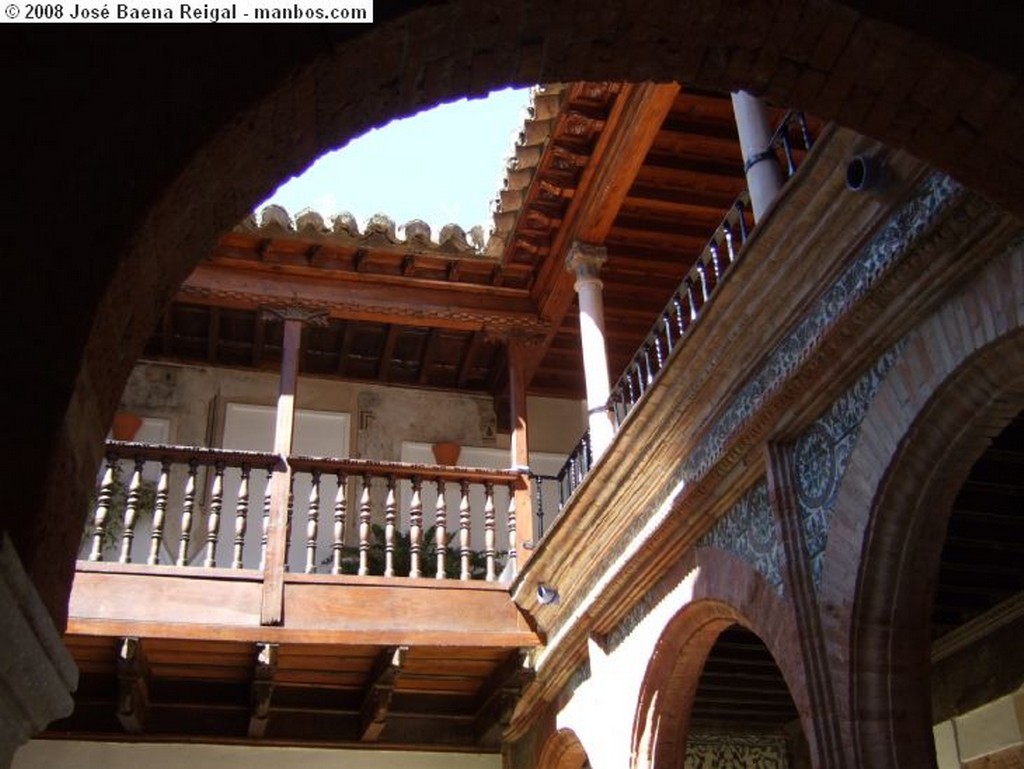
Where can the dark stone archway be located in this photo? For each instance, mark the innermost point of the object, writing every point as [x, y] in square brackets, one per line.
[133, 148]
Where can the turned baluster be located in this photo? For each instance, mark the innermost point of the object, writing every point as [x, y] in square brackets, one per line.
[267, 495]
[677, 308]
[489, 540]
[103, 499]
[390, 516]
[805, 133]
[741, 208]
[666, 324]
[131, 511]
[659, 353]
[288, 522]
[241, 518]
[156, 539]
[340, 505]
[440, 529]
[415, 528]
[716, 260]
[364, 528]
[630, 389]
[730, 248]
[187, 506]
[513, 556]
[648, 370]
[705, 285]
[464, 533]
[313, 523]
[691, 297]
[213, 521]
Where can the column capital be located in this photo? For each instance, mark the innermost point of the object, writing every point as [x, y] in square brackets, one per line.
[307, 315]
[586, 260]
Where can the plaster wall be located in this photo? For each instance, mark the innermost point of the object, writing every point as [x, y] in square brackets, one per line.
[194, 399]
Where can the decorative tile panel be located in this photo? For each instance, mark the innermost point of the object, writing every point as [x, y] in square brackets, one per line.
[748, 531]
[713, 750]
[822, 453]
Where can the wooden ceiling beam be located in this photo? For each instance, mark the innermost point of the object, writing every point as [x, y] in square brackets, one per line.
[378, 301]
[633, 123]
[427, 358]
[384, 367]
[467, 359]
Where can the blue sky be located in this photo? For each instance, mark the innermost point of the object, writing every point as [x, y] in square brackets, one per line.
[443, 165]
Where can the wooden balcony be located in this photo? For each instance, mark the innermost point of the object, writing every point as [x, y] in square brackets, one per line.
[383, 636]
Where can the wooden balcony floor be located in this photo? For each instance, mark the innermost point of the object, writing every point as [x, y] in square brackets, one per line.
[394, 662]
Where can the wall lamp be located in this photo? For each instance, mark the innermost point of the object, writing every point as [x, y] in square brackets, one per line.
[546, 594]
[864, 173]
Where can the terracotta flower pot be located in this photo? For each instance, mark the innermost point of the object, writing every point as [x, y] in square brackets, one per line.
[125, 426]
[446, 453]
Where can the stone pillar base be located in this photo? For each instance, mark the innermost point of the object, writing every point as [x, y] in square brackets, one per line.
[37, 675]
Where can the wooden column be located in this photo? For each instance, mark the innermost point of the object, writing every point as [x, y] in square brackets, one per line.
[272, 609]
[519, 547]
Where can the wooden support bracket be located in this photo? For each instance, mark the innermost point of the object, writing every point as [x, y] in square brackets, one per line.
[377, 701]
[132, 685]
[499, 696]
[262, 689]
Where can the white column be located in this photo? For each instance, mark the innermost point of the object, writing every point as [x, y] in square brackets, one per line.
[764, 177]
[585, 261]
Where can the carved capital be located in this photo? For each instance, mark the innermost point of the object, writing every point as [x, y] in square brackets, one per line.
[311, 316]
[586, 260]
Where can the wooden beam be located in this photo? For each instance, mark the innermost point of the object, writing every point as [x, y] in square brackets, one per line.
[374, 712]
[272, 611]
[629, 132]
[475, 342]
[132, 685]
[378, 298]
[262, 689]
[384, 366]
[426, 360]
[258, 337]
[114, 600]
[213, 335]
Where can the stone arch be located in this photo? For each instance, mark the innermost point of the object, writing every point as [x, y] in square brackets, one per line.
[563, 750]
[727, 590]
[316, 92]
[958, 383]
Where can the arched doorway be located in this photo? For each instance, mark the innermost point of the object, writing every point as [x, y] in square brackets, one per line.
[933, 418]
[743, 713]
[563, 750]
[978, 613]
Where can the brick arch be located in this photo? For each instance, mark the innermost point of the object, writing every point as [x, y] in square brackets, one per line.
[726, 590]
[563, 750]
[316, 92]
[957, 385]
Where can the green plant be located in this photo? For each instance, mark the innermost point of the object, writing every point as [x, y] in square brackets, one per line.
[402, 556]
[113, 528]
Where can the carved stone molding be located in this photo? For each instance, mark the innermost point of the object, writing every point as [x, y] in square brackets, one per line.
[37, 675]
[585, 261]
